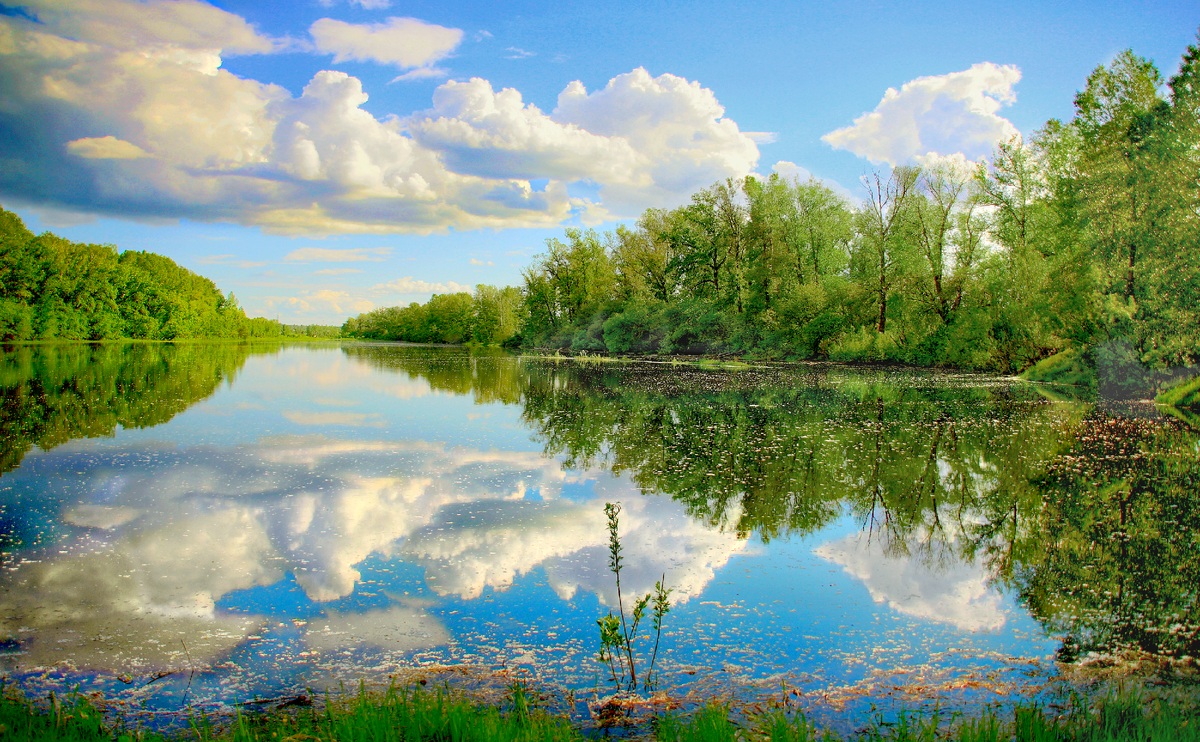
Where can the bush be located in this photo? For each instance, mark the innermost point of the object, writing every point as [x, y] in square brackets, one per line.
[638, 329]
[866, 345]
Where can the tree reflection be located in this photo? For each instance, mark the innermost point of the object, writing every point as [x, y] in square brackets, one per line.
[1089, 515]
[51, 394]
[1119, 566]
[487, 374]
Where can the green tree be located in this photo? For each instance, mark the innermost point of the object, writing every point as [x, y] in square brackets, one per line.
[885, 228]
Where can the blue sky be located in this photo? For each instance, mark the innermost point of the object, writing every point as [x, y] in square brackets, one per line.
[320, 159]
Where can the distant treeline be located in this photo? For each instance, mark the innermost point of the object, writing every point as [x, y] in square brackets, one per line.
[1084, 235]
[491, 316]
[312, 331]
[55, 289]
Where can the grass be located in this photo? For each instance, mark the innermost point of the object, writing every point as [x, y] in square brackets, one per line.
[1185, 394]
[441, 715]
[1067, 367]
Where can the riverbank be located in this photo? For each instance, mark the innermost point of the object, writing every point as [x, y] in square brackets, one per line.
[418, 714]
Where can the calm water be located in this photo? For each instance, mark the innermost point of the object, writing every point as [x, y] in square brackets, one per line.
[205, 524]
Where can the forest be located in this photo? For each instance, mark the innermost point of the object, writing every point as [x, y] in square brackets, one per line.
[55, 289]
[1077, 246]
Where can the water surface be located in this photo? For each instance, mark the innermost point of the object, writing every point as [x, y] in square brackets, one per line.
[199, 525]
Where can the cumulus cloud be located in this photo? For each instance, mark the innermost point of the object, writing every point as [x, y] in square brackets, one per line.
[230, 260]
[678, 129]
[364, 4]
[936, 115]
[166, 26]
[762, 137]
[407, 285]
[953, 591]
[645, 140]
[404, 42]
[463, 553]
[349, 419]
[122, 108]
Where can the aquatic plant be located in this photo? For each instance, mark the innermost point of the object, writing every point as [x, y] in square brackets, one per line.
[618, 635]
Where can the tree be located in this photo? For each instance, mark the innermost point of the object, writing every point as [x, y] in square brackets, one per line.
[1136, 173]
[644, 259]
[825, 228]
[885, 226]
[579, 272]
[949, 244]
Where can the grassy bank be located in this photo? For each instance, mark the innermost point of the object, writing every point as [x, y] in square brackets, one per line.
[444, 716]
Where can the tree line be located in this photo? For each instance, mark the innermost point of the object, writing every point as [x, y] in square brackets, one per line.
[55, 289]
[1084, 235]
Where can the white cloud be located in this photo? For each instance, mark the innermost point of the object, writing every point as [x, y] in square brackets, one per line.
[155, 26]
[400, 628]
[421, 73]
[105, 148]
[364, 4]
[174, 538]
[93, 85]
[647, 141]
[336, 271]
[678, 129]
[487, 134]
[230, 260]
[322, 302]
[949, 591]
[407, 285]
[937, 115]
[404, 42]
[762, 137]
[348, 419]
[792, 171]
[463, 554]
[516, 53]
[481, 262]
[337, 255]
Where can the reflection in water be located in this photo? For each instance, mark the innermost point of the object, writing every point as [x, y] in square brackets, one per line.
[166, 536]
[951, 589]
[1118, 564]
[52, 394]
[372, 505]
[193, 525]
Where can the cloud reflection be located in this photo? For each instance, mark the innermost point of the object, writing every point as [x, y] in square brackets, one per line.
[952, 591]
[159, 545]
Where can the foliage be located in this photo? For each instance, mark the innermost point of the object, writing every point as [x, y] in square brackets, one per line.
[415, 715]
[489, 317]
[1184, 394]
[55, 289]
[1080, 240]
[54, 393]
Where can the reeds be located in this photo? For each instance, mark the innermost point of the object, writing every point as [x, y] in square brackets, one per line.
[619, 636]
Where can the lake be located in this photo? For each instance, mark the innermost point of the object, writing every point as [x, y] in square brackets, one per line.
[200, 525]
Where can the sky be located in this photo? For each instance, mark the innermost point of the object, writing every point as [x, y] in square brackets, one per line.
[322, 158]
